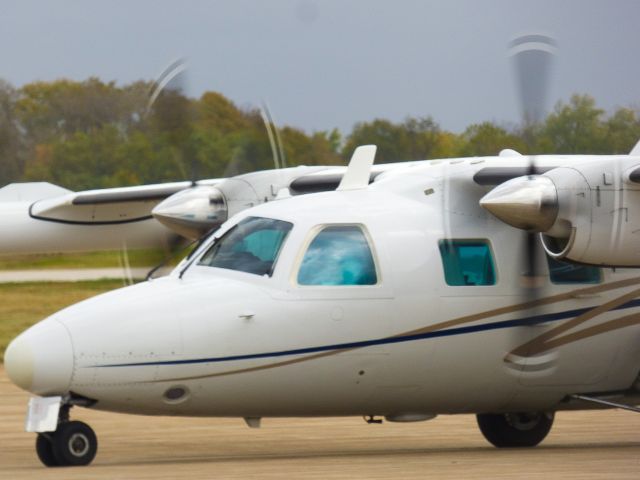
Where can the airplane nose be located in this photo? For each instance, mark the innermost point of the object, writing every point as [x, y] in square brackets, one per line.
[40, 360]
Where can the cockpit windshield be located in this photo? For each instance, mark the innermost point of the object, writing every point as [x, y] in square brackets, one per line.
[251, 246]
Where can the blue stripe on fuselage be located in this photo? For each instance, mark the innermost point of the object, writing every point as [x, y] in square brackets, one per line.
[528, 321]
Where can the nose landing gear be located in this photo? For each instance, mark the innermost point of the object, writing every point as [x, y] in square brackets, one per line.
[73, 443]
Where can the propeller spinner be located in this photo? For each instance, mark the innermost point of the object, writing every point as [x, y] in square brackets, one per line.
[529, 203]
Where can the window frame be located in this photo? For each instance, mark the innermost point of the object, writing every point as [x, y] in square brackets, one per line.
[311, 236]
[230, 230]
[461, 241]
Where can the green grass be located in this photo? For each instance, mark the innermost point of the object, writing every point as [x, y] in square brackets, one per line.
[137, 258]
[23, 304]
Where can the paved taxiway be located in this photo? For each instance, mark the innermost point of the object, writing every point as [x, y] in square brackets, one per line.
[582, 445]
[70, 274]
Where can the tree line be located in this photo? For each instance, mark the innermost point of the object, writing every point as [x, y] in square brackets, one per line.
[95, 134]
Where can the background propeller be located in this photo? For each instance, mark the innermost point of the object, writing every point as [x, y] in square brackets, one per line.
[279, 159]
[172, 114]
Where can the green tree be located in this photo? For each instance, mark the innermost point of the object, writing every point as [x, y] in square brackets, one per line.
[575, 127]
[414, 139]
[51, 110]
[314, 149]
[94, 134]
[622, 131]
[487, 139]
[382, 133]
[217, 113]
[81, 161]
[12, 147]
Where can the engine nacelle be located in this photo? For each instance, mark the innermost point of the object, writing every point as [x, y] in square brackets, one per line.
[588, 213]
[570, 232]
[194, 211]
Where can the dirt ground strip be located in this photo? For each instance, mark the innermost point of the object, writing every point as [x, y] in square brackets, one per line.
[582, 445]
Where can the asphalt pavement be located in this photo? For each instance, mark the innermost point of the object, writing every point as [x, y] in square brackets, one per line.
[71, 274]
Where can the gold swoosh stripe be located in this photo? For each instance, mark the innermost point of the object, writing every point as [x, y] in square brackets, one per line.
[611, 325]
[523, 306]
[458, 322]
[541, 343]
[315, 356]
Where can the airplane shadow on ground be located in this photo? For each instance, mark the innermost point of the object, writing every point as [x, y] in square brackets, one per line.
[490, 452]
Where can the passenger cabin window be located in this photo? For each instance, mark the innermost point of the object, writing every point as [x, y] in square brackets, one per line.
[562, 273]
[251, 246]
[467, 262]
[338, 255]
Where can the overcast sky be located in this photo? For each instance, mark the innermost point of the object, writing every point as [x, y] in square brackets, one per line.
[330, 63]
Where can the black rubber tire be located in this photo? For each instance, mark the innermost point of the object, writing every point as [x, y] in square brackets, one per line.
[74, 444]
[513, 430]
[44, 449]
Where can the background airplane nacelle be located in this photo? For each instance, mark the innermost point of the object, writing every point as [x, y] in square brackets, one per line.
[195, 211]
[588, 213]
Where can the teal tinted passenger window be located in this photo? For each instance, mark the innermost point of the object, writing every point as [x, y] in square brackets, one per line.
[564, 272]
[467, 262]
[338, 255]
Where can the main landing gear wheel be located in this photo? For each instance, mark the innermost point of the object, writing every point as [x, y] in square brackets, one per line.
[508, 430]
[72, 444]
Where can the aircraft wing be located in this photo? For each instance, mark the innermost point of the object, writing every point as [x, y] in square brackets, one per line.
[107, 206]
[40, 217]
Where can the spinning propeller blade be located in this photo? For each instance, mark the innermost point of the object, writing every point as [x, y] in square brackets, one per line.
[169, 108]
[279, 159]
[532, 59]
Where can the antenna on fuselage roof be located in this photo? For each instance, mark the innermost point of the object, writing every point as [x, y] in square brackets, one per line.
[358, 172]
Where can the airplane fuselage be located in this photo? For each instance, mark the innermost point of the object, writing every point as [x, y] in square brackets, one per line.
[210, 341]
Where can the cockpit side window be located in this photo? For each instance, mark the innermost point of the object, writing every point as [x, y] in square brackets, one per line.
[338, 255]
[467, 262]
[563, 273]
[251, 246]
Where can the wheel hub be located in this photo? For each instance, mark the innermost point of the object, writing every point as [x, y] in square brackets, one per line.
[523, 421]
[78, 444]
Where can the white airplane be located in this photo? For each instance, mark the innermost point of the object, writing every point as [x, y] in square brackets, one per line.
[414, 295]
